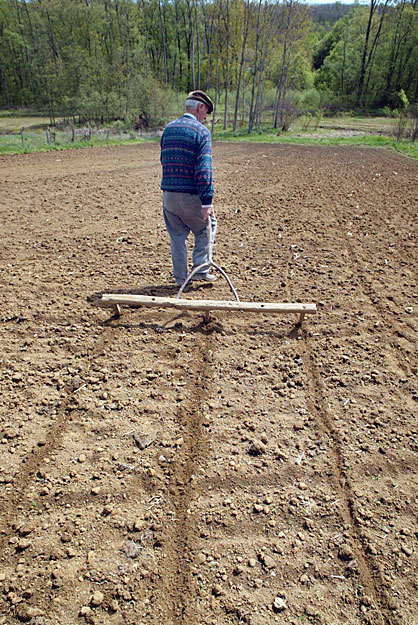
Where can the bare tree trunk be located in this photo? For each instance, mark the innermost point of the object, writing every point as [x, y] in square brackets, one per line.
[285, 86]
[23, 71]
[267, 39]
[191, 28]
[283, 67]
[373, 48]
[218, 51]
[3, 82]
[255, 70]
[215, 104]
[227, 54]
[243, 103]
[398, 47]
[196, 21]
[164, 43]
[209, 29]
[180, 63]
[343, 63]
[373, 5]
[241, 64]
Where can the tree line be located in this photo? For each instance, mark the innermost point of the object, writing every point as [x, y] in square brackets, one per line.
[261, 60]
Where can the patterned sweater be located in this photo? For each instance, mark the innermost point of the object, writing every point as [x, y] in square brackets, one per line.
[186, 158]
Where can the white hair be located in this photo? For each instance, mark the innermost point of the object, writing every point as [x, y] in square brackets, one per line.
[191, 104]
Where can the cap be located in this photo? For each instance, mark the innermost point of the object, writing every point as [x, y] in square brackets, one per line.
[201, 96]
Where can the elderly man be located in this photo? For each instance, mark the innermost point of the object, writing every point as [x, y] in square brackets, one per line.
[187, 185]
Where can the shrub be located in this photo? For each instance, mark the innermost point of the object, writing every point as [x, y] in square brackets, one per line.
[319, 115]
[288, 113]
[308, 100]
[388, 112]
[413, 122]
[306, 121]
[403, 115]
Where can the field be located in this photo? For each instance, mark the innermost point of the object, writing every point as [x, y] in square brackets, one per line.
[15, 123]
[157, 470]
[375, 125]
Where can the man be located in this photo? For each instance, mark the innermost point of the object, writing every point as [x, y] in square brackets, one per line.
[187, 185]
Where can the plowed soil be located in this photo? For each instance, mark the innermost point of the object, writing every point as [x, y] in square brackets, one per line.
[157, 469]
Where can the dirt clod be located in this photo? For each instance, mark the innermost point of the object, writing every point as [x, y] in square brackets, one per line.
[257, 448]
[96, 599]
[345, 552]
[26, 613]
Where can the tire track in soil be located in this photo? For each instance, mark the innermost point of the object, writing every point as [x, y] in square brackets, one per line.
[175, 582]
[44, 447]
[368, 291]
[368, 570]
[369, 573]
[383, 223]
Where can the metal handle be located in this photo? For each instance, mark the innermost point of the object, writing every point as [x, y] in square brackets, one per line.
[210, 242]
[209, 264]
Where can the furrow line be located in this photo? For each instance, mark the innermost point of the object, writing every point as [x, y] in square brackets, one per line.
[368, 291]
[43, 448]
[178, 537]
[369, 573]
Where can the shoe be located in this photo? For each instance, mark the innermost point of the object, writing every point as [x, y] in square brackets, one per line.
[207, 277]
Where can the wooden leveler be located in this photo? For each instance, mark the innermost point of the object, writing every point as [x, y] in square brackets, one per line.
[115, 301]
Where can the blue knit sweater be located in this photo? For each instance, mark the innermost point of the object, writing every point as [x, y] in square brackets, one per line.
[186, 157]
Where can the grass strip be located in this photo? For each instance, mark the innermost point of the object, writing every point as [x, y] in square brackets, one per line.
[35, 142]
[407, 148]
[30, 146]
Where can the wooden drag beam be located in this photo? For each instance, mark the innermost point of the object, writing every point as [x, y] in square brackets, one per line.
[116, 301]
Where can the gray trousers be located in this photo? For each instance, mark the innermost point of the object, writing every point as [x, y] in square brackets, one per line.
[182, 215]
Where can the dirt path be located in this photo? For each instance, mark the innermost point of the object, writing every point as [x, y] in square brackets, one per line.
[157, 470]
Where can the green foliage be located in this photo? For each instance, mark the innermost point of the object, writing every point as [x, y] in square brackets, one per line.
[301, 75]
[308, 100]
[310, 120]
[325, 46]
[318, 117]
[388, 112]
[413, 123]
[100, 61]
[306, 121]
[389, 54]
[407, 119]
[339, 72]
[289, 111]
[97, 61]
[404, 98]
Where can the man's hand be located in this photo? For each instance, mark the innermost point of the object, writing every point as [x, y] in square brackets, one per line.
[206, 211]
